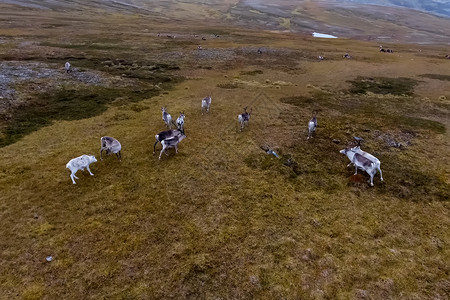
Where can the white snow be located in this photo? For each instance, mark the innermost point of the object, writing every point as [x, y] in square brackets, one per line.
[323, 35]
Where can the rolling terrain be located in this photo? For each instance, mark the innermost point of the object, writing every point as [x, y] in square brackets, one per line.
[222, 219]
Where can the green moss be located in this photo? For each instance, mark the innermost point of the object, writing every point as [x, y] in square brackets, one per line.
[66, 104]
[297, 100]
[436, 76]
[419, 124]
[251, 73]
[383, 85]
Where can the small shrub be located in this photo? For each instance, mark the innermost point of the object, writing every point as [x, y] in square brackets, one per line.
[383, 85]
[252, 73]
[436, 76]
[228, 85]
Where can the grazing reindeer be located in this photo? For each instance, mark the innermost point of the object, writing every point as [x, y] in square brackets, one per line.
[80, 163]
[363, 161]
[206, 104]
[67, 67]
[359, 158]
[180, 122]
[167, 118]
[312, 125]
[110, 145]
[244, 118]
[171, 143]
[163, 135]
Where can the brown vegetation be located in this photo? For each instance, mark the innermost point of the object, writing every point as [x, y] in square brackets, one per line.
[221, 219]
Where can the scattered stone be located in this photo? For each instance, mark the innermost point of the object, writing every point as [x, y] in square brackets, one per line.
[316, 223]
[309, 255]
[361, 294]
[399, 140]
[254, 280]
[336, 141]
[49, 258]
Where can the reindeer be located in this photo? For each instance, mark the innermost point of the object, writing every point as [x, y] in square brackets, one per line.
[180, 122]
[206, 104]
[244, 118]
[163, 135]
[67, 67]
[110, 145]
[363, 160]
[167, 118]
[171, 143]
[312, 125]
[80, 163]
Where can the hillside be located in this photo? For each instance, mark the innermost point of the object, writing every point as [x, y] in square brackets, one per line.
[438, 7]
[384, 21]
[220, 219]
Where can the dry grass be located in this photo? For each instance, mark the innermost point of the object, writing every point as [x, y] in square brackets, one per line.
[221, 219]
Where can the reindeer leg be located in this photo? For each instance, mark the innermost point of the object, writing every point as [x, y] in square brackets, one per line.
[101, 151]
[89, 170]
[154, 147]
[381, 174]
[356, 170]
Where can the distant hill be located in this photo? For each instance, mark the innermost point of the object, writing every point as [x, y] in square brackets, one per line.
[438, 7]
[412, 21]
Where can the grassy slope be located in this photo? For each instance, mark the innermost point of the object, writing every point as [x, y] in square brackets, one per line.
[221, 219]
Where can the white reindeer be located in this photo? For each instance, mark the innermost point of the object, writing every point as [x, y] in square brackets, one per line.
[67, 67]
[180, 122]
[80, 163]
[167, 118]
[363, 161]
[244, 118]
[206, 103]
[110, 145]
[312, 125]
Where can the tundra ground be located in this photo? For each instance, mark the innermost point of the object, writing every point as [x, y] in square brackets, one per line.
[221, 219]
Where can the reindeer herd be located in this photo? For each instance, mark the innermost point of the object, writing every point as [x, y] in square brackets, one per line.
[172, 137]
